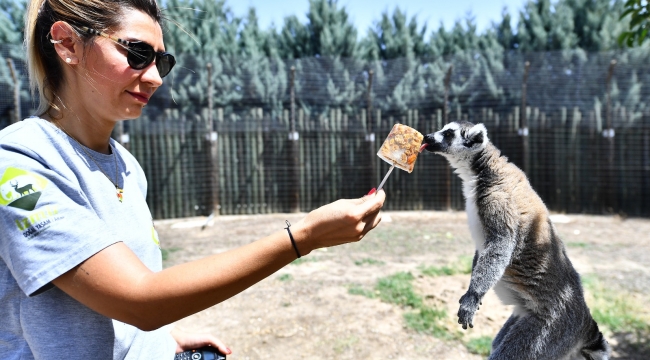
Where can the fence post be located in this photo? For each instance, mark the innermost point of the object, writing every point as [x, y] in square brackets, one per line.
[445, 114]
[645, 210]
[370, 133]
[573, 151]
[445, 105]
[211, 137]
[14, 75]
[294, 155]
[608, 134]
[523, 129]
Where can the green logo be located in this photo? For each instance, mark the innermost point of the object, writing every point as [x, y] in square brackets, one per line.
[21, 189]
[154, 236]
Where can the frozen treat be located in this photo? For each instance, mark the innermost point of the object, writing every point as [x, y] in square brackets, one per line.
[402, 147]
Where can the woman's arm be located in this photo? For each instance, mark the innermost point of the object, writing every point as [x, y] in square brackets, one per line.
[115, 283]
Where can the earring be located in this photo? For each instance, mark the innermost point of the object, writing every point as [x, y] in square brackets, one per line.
[68, 60]
[56, 41]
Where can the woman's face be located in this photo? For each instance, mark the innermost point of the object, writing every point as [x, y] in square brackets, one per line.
[109, 88]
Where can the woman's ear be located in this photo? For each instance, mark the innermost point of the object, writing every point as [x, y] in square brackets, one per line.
[66, 42]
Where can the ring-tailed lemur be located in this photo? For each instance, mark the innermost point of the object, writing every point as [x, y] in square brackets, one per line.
[519, 253]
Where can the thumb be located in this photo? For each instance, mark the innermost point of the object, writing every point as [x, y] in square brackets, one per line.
[371, 204]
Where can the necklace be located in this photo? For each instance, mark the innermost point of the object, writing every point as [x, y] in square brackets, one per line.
[119, 191]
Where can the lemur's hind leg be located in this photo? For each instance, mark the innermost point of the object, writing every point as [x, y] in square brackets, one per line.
[531, 338]
[504, 330]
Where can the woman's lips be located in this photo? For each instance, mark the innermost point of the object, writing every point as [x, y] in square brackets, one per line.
[143, 98]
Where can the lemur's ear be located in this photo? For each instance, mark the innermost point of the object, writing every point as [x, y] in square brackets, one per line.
[476, 135]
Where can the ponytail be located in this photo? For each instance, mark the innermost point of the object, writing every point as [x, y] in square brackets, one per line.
[35, 60]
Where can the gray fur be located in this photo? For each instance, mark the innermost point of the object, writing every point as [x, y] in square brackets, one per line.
[518, 254]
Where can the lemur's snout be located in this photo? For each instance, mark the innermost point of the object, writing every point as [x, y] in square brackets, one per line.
[430, 144]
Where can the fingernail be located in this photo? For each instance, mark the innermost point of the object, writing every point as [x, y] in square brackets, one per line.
[228, 351]
[374, 190]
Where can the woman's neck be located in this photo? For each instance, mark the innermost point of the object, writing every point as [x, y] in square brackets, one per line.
[88, 131]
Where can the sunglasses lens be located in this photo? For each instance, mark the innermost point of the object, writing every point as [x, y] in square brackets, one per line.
[165, 63]
[140, 55]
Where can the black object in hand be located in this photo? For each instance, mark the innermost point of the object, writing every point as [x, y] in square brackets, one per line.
[204, 353]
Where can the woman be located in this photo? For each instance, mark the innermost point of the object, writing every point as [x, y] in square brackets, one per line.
[80, 266]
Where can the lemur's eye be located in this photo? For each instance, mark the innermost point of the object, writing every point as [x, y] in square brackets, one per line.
[448, 133]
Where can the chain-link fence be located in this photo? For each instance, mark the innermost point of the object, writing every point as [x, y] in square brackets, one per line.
[260, 135]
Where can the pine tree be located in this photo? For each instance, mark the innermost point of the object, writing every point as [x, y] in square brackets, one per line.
[326, 53]
[202, 32]
[503, 30]
[395, 36]
[202, 27]
[590, 25]
[264, 73]
[328, 32]
[294, 39]
[531, 32]
[589, 17]
[12, 13]
[394, 48]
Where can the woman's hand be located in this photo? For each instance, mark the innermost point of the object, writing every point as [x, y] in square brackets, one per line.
[188, 341]
[340, 222]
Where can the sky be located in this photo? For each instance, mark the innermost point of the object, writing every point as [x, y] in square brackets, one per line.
[364, 12]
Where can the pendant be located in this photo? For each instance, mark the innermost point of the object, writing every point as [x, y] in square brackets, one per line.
[119, 194]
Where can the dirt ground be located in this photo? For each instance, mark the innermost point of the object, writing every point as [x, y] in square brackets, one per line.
[305, 311]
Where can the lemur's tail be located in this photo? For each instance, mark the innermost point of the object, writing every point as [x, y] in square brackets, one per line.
[596, 347]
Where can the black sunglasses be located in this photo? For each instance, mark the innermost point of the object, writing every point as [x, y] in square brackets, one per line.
[140, 54]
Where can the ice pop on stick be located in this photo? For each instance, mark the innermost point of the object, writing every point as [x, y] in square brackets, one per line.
[400, 149]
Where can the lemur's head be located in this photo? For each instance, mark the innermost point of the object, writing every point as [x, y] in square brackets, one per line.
[457, 140]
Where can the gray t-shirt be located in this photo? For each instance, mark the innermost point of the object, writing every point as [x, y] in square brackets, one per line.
[56, 210]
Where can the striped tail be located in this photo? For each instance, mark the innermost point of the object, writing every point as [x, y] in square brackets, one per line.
[596, 347]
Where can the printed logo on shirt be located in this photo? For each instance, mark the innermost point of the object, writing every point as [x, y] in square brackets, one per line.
[21, 189]
[38, 221]
[154, 236]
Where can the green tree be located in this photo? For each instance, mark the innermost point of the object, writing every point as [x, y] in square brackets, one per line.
[591, 25]
[264, 73]
[477, 59]
[294, 39]
[542, 28]
[395, 36]
[590, 17]
[201, 32]
[247, 71]
[503, 30]
[12, 13]
[461, 38]
[201, 27]
[638, 12]
[328, 32]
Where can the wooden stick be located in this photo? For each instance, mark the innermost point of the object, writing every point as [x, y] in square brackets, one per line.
[385, 178]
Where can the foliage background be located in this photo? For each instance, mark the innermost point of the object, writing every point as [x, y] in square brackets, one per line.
[252, 65]
[351, 84]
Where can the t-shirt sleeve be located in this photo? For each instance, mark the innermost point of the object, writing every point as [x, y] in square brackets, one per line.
[47, 224]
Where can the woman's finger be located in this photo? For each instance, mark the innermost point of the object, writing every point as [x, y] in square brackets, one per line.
[371, 222]
[215, 342]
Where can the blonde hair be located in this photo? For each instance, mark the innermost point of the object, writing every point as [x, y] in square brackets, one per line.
[44, 66]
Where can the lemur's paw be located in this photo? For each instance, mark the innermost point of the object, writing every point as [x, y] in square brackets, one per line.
[468, 306]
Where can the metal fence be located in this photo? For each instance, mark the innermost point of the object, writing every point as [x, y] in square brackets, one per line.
[267, 135]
